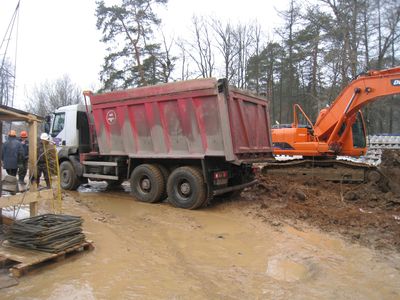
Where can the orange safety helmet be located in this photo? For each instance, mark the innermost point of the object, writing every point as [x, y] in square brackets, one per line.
[23, 134]
[12, 133]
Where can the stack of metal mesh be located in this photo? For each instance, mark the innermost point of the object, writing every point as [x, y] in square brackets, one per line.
[49, 233]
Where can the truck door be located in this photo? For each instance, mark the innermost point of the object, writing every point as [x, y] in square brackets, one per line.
[58, 133]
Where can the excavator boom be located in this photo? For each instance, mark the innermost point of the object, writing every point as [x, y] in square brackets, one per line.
[365, 89]
[339, 129]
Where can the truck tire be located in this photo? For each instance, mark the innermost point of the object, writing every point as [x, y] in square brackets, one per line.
[165, 172]
[186, 188]
[147, 183]
[68, 179]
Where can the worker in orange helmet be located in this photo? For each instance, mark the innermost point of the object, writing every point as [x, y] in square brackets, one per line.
[23, 164]
[11, 153]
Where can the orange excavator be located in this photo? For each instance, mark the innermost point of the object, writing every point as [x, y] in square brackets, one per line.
[339, 128]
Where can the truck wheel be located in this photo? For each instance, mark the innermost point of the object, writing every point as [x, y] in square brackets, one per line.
[68, 179]
[165, 173]
[147, 183]
[186, 188]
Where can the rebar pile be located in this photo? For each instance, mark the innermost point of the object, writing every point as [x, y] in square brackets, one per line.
[49, 232]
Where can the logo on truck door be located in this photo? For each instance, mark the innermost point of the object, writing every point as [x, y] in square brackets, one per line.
[111, 117]
[396, 82]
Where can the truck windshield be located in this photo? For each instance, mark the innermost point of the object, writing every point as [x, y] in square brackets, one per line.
[58, 124]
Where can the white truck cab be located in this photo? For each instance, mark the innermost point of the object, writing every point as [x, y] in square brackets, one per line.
[64, 125]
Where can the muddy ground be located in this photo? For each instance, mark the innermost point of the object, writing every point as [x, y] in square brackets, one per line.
[225, 251]
[368, 214]
[362, 214]
[281, 239]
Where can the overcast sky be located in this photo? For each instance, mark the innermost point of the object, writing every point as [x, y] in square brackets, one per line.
[57, 37]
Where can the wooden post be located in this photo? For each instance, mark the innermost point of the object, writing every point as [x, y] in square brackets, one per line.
[32, 164]
[1, 169]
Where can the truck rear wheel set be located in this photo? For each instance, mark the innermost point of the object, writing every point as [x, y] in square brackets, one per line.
[184, 187]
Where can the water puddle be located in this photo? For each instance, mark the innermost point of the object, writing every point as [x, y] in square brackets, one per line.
[286, 269]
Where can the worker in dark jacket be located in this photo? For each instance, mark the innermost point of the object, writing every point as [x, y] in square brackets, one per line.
[11, 154]
[41, 162]
[23, 166]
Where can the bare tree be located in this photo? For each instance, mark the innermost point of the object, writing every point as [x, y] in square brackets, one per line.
[225, 39]
[201, 48]
[167, 60]
[162, 59]
[6, 83]
[244, 38]
[185, 72]
[388, 20]
[48, 96]
[289, 77]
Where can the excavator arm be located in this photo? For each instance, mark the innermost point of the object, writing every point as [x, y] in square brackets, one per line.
[339, 129]
[365, 89]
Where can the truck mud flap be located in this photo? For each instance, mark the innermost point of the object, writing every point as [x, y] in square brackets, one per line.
[234, 188]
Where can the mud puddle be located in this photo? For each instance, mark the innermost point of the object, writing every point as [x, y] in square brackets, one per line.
[152, 251]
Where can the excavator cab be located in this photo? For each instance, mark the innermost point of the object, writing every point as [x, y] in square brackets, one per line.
[297, 138]
[354, 141]
[359, 132]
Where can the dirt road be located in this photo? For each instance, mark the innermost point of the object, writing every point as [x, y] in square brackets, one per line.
[226, 251]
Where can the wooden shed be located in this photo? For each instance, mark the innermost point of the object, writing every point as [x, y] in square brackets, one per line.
[9, 114]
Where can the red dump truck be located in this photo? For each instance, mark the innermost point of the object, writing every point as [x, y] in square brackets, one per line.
[186, 141]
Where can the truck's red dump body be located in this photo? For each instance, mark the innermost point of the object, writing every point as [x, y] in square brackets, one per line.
[190, 119]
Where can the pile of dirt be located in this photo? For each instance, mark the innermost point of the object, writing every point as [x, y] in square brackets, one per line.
[390, 167]
[390, 158]
[363, 213]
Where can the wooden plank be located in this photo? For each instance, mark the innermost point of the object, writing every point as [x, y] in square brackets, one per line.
[1, 163]
[26, 198]
[33, 130]
[6, 281]
[7, 221]
[3, 260]
[33, 144]
[14, 116]
[29, 260]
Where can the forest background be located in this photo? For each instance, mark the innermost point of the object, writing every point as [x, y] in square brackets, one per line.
[320, 47]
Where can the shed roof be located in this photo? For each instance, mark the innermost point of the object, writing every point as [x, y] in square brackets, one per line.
[12, 114]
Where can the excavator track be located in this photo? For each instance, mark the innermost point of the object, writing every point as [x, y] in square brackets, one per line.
[324, 169]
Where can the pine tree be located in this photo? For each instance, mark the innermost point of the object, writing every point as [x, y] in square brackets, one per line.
[127, 30]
